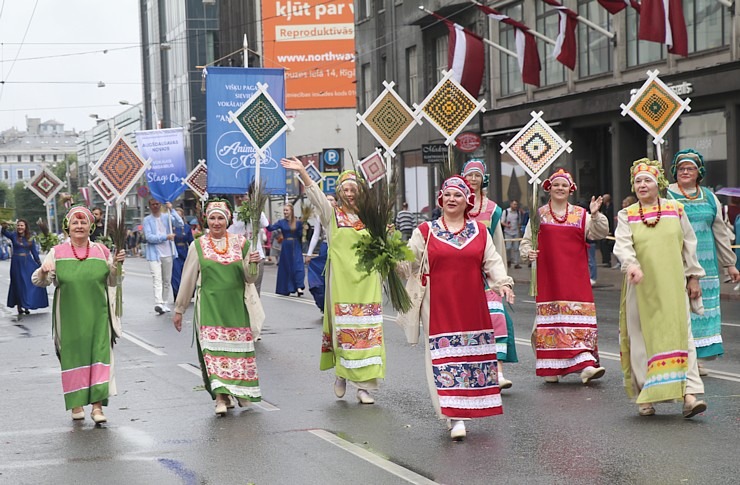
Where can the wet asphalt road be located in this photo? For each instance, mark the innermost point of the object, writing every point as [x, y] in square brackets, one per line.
[162, 429]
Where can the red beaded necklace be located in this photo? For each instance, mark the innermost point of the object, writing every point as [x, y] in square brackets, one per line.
[690, 197]
[657, 219]
[456, 232]
[215, 249]
[87, 251]
[556, 218]
[473, 213]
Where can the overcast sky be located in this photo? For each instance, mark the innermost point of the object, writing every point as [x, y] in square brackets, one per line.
[61, 86]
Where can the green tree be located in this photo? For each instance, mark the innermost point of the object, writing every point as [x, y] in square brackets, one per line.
[28, 206]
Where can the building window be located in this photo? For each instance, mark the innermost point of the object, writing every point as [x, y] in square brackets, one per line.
[640, 51]
[707, 134]
[367, 94]
[412, 71]
[707, 24]
[31, 158]
[31, 173]
[440, 55]
[6, 174]
[364, 9]
[55, 158]
[19, 158]
[553, 72]
[594, 48]
[19, 174]
[511, 76]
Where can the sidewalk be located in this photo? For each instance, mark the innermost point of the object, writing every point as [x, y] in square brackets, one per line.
[611, 279]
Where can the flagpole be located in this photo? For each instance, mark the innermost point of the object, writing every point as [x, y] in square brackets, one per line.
[489, 42]
[596, 27]
[726, 3]
[530, 31]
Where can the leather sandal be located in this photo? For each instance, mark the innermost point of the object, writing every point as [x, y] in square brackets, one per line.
[78, 415]
[97, 416]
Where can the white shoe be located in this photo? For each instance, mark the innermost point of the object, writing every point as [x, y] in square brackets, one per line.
[98, 417]
[702, 370]
[591, 373]
[166, 309]
[503, 382]
[551, 379]
[220, 408]
[593, 282]
[364, 397]
[159, 309]
[340, 387]
[458, 430]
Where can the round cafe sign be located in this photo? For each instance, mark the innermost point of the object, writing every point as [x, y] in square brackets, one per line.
[468, 142]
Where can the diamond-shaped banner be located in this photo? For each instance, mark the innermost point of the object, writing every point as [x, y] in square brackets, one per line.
[389, 119]
[120, 167]
[261, 120]
[655, 107]
[197, 180]
[103, 190]
[536, 147]
[45, 185]
[373, 167]
[449, 107]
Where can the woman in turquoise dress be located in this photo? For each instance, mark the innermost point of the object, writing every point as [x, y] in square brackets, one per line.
[714, 252]
[489, 213]
[22, 294]
[217, 269]
[352, 341]
[84, 322]
[291, 272]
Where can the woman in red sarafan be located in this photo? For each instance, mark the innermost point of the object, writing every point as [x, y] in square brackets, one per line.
[565, 334]
[461, 352]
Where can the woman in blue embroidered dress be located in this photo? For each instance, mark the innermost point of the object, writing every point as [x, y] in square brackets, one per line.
[183, 238]
[25, 260]
[461, 348]
[291, 272]
[714, 252]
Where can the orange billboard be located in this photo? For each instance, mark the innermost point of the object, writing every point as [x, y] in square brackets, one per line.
[314, 40]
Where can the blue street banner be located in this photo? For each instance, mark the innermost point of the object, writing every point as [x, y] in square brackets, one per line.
[166, 149]
[230, 157]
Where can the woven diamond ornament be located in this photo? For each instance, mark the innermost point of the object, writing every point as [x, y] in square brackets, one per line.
[120, 167]
[655, 107]
[103, 190]
[373, 167]
[197, 180]
[45, 185]
[261, 120]
[536, 147]
[389, 119]
[449, 107]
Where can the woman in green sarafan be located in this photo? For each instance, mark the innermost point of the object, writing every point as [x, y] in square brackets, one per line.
[352, 340]
[217, 270]
[84, 320]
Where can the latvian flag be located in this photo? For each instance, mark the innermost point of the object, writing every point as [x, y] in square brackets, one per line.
[465, 57]
[662, 21]
[526, 46]
[565, 45]
[616, 6]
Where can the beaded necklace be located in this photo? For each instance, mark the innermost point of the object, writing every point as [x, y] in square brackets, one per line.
[87, 251]
[473, 213]
[444, 224]
[556, 218]
[690, 197]
[215, 249]
[657, 219]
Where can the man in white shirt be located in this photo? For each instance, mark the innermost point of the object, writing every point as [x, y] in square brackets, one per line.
[239, 227]
[160, 249]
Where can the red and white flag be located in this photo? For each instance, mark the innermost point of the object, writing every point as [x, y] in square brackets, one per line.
[662, 21]
[465, 57]
[85, 193]
[526, 46]
[616, 6]
[565, 45]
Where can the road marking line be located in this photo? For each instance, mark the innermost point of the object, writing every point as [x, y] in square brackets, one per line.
[133, 339]
[369, 456]
[264, 405]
